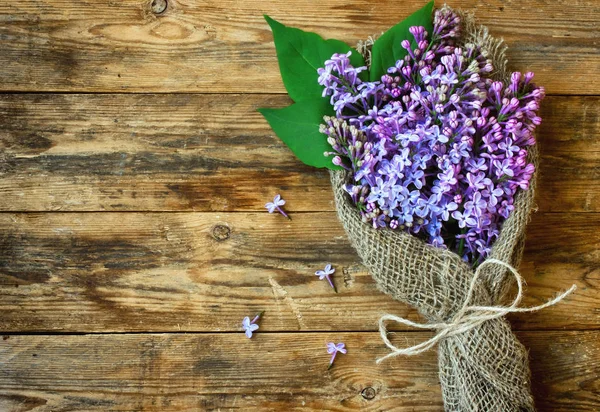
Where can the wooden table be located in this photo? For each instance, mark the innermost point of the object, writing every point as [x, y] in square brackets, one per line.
[134, 170]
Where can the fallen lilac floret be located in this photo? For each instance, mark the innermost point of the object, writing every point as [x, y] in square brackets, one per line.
[326, 274]
[276, 205]
[333, 350]
[250, 326]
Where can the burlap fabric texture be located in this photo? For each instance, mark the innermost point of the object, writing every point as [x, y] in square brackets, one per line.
[485, 368]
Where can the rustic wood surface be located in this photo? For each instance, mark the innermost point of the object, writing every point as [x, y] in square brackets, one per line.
[273, 371]
[121, 272]
[225, 45]
[215, 152]
[133, 237]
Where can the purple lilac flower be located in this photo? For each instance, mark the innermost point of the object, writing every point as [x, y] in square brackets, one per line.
[435, 148]
[276, 205]
[326, 274]
[333, 350]
[250, 326]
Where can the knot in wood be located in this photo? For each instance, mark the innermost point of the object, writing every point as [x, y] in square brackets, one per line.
[368, 393]
[158, 6]
[221, 232]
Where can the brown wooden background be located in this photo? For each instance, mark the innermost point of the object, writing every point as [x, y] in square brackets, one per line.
[134, 169]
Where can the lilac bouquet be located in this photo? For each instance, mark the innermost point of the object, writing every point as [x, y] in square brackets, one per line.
[435, 147]
[432, 155]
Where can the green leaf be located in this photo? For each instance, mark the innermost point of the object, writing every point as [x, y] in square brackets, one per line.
[301, 54]
[387, 49]
[298, 126]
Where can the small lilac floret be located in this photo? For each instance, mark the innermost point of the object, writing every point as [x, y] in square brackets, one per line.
[333, 350]
[250, 326]
[326, 274]
[276, 205]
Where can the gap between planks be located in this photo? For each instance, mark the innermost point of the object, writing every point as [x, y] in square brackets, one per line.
[217, 93]
[272, 332]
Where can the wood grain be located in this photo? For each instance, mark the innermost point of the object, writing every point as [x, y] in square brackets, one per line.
[140, 308]
[225, 45]
[216, 153]
[122, 272]
[271, 372]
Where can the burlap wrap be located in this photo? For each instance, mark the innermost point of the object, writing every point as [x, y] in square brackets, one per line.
[484, 369]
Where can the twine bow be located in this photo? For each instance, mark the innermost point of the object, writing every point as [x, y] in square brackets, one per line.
[467, 318]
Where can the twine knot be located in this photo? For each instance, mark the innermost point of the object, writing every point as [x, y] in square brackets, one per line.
[467, 318]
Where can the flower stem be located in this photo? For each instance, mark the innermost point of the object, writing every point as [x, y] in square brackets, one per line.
[283, 213]
[461, 245]
[331, 361]
[257, 317]
[331, 283]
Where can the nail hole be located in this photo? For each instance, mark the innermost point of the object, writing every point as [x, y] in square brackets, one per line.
[221, 232]
[159, 6]
[368, 393]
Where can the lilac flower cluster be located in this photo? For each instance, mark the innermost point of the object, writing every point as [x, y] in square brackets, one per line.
[436, 147]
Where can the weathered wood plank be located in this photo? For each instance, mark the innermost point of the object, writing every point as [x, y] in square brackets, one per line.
[216, 153]
[104, 272]
[273, 371]
[225, 45]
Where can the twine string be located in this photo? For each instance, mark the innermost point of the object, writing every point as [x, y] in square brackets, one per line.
[467, 318]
